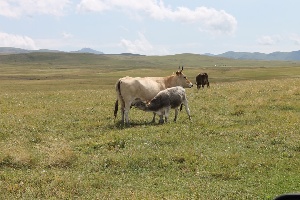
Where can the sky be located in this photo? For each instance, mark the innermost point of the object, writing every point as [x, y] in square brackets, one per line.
[152, 27]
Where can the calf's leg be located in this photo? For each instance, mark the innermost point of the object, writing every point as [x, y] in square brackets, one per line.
[176, 114]
[187, 109]
[161, 119]
[167, 112]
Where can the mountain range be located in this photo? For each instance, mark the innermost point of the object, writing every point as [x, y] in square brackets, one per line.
[283, 56]
[294, 55]
[12, 50]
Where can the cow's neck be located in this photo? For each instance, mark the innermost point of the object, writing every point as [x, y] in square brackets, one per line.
[169, 81]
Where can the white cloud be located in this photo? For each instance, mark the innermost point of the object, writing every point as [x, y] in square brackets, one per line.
[67, 35]
[295, 38]
[18, 8]
[210, 19]
[269, 39]
[92, 5]
[7, 10]
[19, 41]
[141, 45]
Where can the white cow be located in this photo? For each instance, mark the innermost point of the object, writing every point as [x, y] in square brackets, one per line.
[166, 99]
[131, 89]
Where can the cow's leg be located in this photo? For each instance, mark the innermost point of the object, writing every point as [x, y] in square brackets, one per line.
[153, 119]
[122, 112]
[126, 112]
[176, 114]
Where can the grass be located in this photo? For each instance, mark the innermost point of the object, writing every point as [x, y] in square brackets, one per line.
[59, 139]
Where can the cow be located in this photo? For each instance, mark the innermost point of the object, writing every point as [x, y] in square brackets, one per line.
[202, 80]
[131, 89]
[170, 98]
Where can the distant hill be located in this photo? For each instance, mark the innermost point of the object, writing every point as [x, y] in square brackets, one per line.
[11, 50]
[208, 54]
[87, 50]
[294, 55]
[46, 51]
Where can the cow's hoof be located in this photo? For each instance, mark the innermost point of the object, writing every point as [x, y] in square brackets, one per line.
[161, 121]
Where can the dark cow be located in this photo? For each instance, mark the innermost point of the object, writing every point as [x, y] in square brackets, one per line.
[202, 80]
[170, 98]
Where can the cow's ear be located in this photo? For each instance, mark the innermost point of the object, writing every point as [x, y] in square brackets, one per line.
[182, 68]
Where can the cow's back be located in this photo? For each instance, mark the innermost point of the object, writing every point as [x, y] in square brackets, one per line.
[143, 88]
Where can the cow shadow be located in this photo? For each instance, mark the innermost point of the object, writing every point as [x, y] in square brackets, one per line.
[132, 124]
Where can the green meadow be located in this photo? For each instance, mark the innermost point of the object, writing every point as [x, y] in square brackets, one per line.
[59, 139]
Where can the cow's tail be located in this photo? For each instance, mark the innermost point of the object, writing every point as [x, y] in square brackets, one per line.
[118, 90]
[116, 109]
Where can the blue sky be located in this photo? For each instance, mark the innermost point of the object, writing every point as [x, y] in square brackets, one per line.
[151, 27]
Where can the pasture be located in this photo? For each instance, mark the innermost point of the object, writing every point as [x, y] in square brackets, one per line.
[58, 138]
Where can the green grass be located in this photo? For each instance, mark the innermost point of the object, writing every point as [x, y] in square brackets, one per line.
[59, 140]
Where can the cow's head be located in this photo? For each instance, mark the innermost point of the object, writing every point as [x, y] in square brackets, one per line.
[181, 79]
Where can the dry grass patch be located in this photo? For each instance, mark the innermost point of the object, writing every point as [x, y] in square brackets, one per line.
[56, 152]
[15, 154]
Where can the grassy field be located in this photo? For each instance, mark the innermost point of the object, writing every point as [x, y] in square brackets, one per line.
[59, 140]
